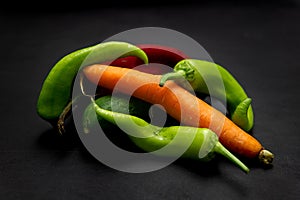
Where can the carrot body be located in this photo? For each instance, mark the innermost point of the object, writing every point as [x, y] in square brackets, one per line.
[178, 103]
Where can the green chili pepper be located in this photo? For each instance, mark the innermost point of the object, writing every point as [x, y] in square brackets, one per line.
[122, 104]
[56, 91]
[199, 72]
[151, 138]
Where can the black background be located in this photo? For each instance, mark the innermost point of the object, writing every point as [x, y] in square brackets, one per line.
[257, 42]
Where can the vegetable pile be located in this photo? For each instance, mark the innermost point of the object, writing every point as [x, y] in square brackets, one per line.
[111, 66]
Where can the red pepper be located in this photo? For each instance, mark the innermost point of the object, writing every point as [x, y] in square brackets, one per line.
[162, 54]
[157, 54]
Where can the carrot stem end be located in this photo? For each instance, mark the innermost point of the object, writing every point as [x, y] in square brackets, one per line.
[265, 157]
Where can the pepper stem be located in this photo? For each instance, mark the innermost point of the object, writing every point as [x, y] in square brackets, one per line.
[219, 148]
[62, 118]
[180, 74]
[65, 113]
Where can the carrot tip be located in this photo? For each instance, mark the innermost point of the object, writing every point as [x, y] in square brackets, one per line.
[266, 157]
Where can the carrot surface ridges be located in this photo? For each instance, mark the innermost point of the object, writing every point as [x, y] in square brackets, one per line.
[178, 103]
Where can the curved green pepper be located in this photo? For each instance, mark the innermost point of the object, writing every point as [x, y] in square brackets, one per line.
[56, 91]
[151, 138]
[199, 73]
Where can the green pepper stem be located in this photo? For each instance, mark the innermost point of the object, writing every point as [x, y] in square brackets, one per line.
[62, 117]
[65, 113]
[180, 74]
[219, 148]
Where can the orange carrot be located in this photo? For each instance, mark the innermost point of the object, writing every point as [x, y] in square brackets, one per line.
[180, 104]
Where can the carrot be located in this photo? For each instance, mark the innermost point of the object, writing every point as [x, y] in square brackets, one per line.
[180, 104]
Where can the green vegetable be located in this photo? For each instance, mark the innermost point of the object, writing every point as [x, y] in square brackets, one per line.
[120, 103]
[151, 138]
[200, 73]
[55, 95]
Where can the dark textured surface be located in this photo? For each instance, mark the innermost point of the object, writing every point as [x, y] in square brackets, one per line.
[258, 44]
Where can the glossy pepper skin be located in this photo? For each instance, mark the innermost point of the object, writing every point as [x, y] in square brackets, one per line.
[203, 143]
[156, 53]
[56, 90]
[199, 73]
